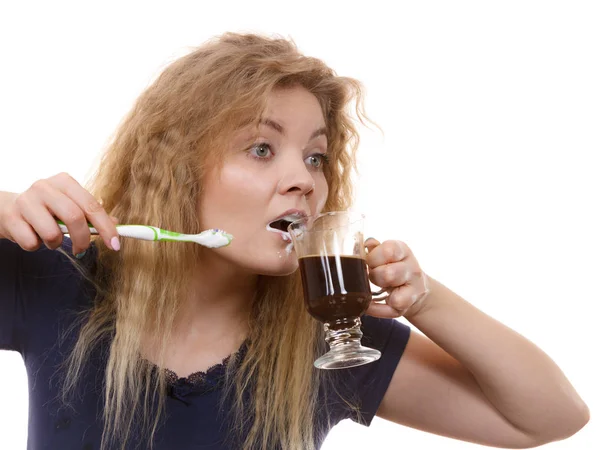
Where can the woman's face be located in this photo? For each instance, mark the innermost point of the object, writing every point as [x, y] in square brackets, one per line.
[275, 174]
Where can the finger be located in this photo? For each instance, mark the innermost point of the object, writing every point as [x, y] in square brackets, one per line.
[22, 234]
[92, 209]
[65, 209]
[383, 311]
[390, 275]
[403, 297]
[387, 252]
[371, 243]
[41, 220]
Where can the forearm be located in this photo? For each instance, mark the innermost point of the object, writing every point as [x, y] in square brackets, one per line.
[520, 380]
[5, 197]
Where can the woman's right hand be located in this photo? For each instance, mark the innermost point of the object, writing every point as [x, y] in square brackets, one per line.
[29, 218]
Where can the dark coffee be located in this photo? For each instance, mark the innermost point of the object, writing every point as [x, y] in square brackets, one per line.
[335, 288]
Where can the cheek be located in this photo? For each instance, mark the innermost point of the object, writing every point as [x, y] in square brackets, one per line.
[234, 185]
[234, 180]
[321, 194]
[232, 197]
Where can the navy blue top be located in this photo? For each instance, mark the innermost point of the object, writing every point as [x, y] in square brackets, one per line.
[40, 292]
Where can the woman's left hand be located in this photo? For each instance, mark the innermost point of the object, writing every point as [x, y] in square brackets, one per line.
[393, 266]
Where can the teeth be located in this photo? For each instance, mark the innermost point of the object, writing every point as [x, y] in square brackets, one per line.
[292, 217]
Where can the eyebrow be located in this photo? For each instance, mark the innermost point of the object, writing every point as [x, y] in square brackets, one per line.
[277, 127]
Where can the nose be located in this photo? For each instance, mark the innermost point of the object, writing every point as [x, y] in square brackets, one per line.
[296, 179]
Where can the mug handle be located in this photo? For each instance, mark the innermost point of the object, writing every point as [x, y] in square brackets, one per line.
[385, 291]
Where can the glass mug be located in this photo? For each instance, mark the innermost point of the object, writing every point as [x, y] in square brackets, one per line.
[331, 253]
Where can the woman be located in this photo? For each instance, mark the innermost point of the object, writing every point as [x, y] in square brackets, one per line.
[172, 345]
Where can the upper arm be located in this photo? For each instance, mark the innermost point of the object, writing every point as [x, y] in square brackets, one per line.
[34, 286]
[9, 308]
[433, 392]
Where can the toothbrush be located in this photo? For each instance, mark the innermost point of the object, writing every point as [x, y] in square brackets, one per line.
[213, 238]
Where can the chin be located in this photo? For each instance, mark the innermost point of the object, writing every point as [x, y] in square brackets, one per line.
[276, 265]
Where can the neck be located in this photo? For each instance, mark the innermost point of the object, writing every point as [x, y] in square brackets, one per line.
[219, 303]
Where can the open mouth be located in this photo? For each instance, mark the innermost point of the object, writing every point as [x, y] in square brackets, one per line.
[281, 225]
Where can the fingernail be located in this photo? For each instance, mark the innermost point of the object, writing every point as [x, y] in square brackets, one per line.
[81, 255]
[367, 240]
[114, 243]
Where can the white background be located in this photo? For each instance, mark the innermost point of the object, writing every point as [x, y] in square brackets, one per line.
[486, 168]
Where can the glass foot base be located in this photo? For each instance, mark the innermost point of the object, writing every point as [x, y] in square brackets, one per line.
[343, 357]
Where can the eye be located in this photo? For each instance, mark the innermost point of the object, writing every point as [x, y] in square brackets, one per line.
[261, 150]
[317, 160]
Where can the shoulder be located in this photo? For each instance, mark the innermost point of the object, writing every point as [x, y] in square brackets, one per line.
[357, 392]
[384, 334]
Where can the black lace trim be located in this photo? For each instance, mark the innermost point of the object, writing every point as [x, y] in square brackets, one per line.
[196, 378]
[199, 383]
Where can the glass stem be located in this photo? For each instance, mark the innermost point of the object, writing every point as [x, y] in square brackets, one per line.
[349, 335]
